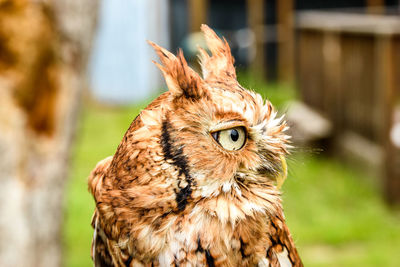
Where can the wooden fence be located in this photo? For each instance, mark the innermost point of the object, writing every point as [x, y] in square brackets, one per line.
[348, 68]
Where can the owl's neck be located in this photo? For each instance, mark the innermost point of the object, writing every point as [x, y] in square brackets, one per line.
[238, 204]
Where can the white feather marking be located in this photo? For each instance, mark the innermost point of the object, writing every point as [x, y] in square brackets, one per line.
[263, 263]
[226, 186]
[209, 190]
[283, 259]
[149, 117]
[165, 258]
[94, 241]
[237, 189]
[250, 207]
[236, 214]
[222, 210]
[145, 232]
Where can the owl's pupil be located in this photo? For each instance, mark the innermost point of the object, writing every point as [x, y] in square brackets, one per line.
[234, 135]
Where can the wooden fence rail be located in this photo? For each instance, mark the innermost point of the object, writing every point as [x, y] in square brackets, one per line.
[349, 70]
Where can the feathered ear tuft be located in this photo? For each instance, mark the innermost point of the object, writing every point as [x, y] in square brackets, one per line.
[180, 78]
[220, 64]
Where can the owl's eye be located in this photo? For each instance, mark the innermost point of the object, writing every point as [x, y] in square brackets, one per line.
[231, 139]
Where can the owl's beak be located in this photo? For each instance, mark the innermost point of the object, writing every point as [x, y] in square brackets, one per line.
[280, 179]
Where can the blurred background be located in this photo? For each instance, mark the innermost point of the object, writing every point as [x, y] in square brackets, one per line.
[333, 67]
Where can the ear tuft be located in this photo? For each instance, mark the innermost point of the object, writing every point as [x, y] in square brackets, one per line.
[220, 64]
[180, 78]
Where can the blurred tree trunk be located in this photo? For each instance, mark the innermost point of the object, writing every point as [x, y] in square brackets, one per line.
[44, 48]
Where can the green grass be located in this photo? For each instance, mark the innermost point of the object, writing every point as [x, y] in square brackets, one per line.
[101, 129]
[336, 217]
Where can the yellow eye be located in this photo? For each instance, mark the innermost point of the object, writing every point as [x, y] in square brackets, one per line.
[231, 139]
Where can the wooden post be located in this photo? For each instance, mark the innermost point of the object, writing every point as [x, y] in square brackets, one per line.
[332, 63]
[285, 40]
[385, 80]
[198, 14]
[255, 20]
[376, 6]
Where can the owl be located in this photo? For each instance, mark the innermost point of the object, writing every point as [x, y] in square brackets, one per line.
[195, 180]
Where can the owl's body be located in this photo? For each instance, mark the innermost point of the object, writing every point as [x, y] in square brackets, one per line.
[193, 182]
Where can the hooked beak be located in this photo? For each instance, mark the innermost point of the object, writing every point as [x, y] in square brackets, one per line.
[280, 179]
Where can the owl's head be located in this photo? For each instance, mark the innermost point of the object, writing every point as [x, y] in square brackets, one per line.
[219, 138]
